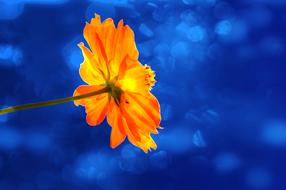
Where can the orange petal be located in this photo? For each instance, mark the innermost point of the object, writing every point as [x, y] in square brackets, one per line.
[146, 142]
[91, 35]
[95, 106]
[115, 120]
[124, 44]
[110, 44]
[149, 105]
[135, 111]
[140, 122]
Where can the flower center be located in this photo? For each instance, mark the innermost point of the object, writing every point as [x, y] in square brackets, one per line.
[114, 91]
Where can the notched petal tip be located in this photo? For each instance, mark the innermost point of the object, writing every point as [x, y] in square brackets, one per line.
[96, 20]
[155, 132]
[108, 21]
[80, 45]
[120, 23]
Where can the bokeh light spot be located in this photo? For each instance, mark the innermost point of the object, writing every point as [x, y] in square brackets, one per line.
[10, 55]
[274, 133]
[258, 178]
[226, 162]
[92, 166]
[223, 27]
[196, 34]
[9, 138]
[198, 139]
[170, 141]
[146, 30]
[180, 49]
[72, 53]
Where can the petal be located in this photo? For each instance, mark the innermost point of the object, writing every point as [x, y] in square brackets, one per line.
[125, 121]
[141, 111]
[124, 44]
[146, 142]
[96, 107]
[140, 121]
[90, 71]
[110, 44]
[104, 36]
[115, 120]
[127, 64]
[149, 105]
[91, 35]
[134, 77]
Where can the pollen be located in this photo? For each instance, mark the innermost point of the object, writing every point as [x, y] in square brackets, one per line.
[149, 76]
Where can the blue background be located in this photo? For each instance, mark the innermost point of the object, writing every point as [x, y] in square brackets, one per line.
[220, 68]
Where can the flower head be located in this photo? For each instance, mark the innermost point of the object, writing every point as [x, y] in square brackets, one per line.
[112, 62]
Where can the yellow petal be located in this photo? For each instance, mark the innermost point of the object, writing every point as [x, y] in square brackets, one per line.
[134, 77]
[90, 70]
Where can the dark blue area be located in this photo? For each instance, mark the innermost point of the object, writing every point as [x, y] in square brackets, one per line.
[220, 67]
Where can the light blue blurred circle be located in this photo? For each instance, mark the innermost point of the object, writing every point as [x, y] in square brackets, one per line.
[10, 55]
[180, 49]
[223, 27]
[274, 133]
[196, 33]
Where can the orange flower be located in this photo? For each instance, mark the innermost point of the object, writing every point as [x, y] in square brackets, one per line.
[112, 62]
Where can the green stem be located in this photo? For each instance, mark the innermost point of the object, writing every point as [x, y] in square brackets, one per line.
[51, 102]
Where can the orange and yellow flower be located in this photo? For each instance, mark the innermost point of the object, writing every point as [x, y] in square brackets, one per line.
[112, 63]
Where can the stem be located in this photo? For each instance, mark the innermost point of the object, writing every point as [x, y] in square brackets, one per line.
[51, 102]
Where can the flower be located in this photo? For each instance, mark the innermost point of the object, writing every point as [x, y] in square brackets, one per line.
[112, 63]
